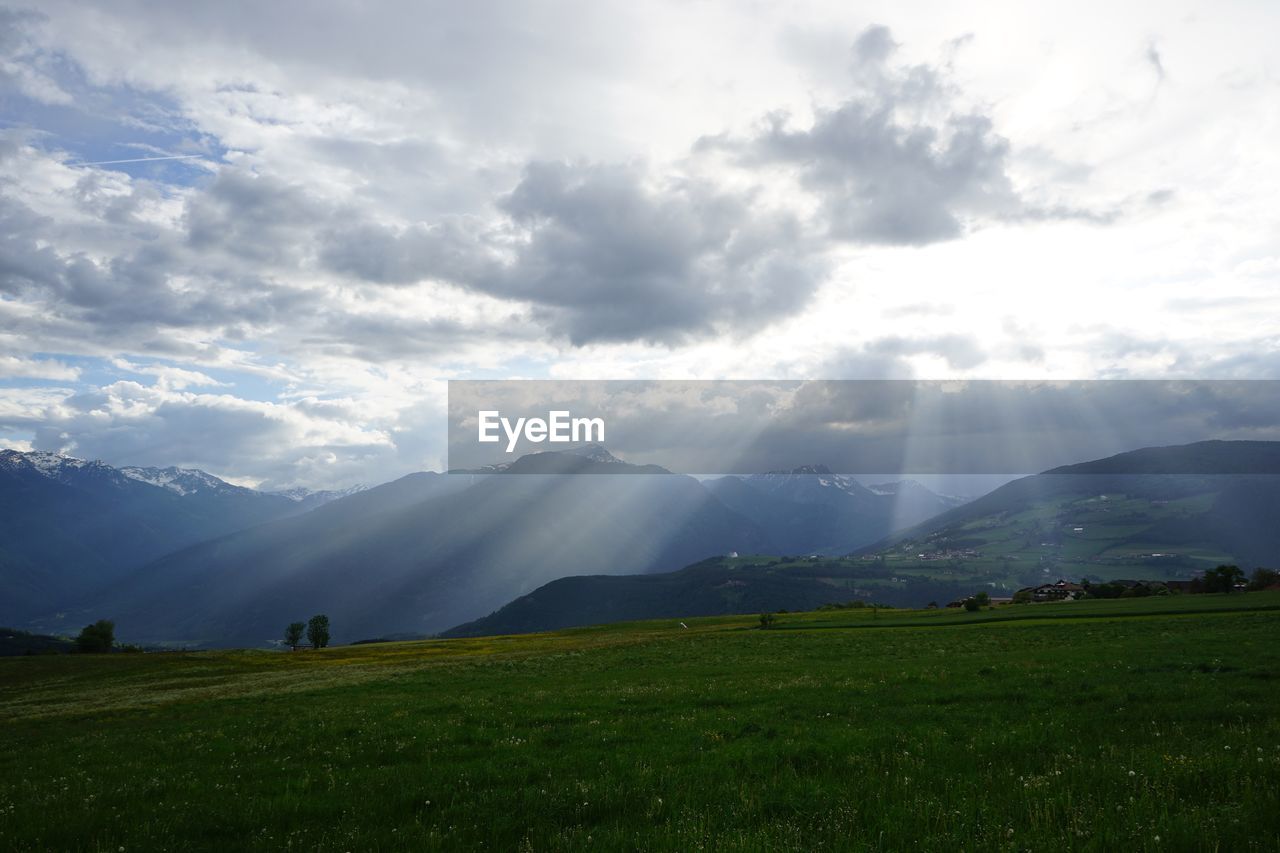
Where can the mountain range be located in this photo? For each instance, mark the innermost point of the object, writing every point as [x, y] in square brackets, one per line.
[177, 556]
[200, 561]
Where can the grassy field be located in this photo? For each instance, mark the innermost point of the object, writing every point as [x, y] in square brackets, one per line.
[1120, 725]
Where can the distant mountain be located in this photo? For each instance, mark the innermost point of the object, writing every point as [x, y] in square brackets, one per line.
[810, 509]
[69, 527]
[310, 499]
[429, 551]
[587, 459]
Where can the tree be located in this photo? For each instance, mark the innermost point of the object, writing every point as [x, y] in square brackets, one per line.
[972, 605]
[98, 637]
[766, 620]
[1222, 579]
[293, 635]
[318, 631]
[1263, 578]
[983, 599]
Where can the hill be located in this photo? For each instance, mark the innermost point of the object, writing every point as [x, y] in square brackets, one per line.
[15, 642]
[1091, 725]
[713, 587]
[1166, 512]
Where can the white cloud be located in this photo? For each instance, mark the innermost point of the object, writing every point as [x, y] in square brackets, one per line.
[13, 367]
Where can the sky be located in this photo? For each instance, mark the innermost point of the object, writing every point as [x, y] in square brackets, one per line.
[259, 239]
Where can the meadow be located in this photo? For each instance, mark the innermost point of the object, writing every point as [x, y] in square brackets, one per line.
[1145, 724]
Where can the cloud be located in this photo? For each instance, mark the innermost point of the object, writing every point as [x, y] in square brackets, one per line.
[1156, 63]
[902, 161]
[961, 352]
[125, 422]
[24, 66]
[604, 255]
[15, 367]
[386, 199]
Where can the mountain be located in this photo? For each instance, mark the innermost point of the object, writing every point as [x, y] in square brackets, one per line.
[69, 527]
[812, 510]
[308, 499]
[586, 459]
[1159, 512]
[429, 551]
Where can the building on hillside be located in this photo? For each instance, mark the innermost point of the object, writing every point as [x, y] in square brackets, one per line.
[1060, 591]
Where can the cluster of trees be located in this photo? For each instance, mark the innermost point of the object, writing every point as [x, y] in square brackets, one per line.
[97, 638]
[317, 632]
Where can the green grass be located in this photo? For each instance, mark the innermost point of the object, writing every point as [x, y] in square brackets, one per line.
[1146, 724]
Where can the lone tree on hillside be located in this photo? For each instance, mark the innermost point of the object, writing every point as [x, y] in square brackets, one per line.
[293, 635]
[318, 631]
[98, 637]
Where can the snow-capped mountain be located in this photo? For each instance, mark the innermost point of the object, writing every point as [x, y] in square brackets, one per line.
[312, 498]
[182, 481]
[70, 526]
[52, 466]
[810, 484]
[912, 490]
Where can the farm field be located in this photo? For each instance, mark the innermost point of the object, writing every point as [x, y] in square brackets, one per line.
[1141, 724]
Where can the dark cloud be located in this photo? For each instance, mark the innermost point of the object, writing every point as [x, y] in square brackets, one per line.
[605, 257]
[602, 255]
[900, 162]
[452, 250]
[257, 218]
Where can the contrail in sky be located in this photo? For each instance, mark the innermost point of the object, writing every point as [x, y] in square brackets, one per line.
[137, 160]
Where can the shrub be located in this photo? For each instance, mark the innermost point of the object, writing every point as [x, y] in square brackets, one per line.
[98, 637]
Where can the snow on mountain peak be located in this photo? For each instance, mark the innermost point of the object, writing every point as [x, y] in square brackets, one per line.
[592, 453]
[181, 481]
[299, 494]
[51, 465]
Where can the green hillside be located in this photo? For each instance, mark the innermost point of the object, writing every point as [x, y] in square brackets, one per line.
[720, 586]
[1078, 528]
[1116, 725]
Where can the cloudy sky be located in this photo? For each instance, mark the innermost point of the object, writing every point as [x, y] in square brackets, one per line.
[362, 201]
